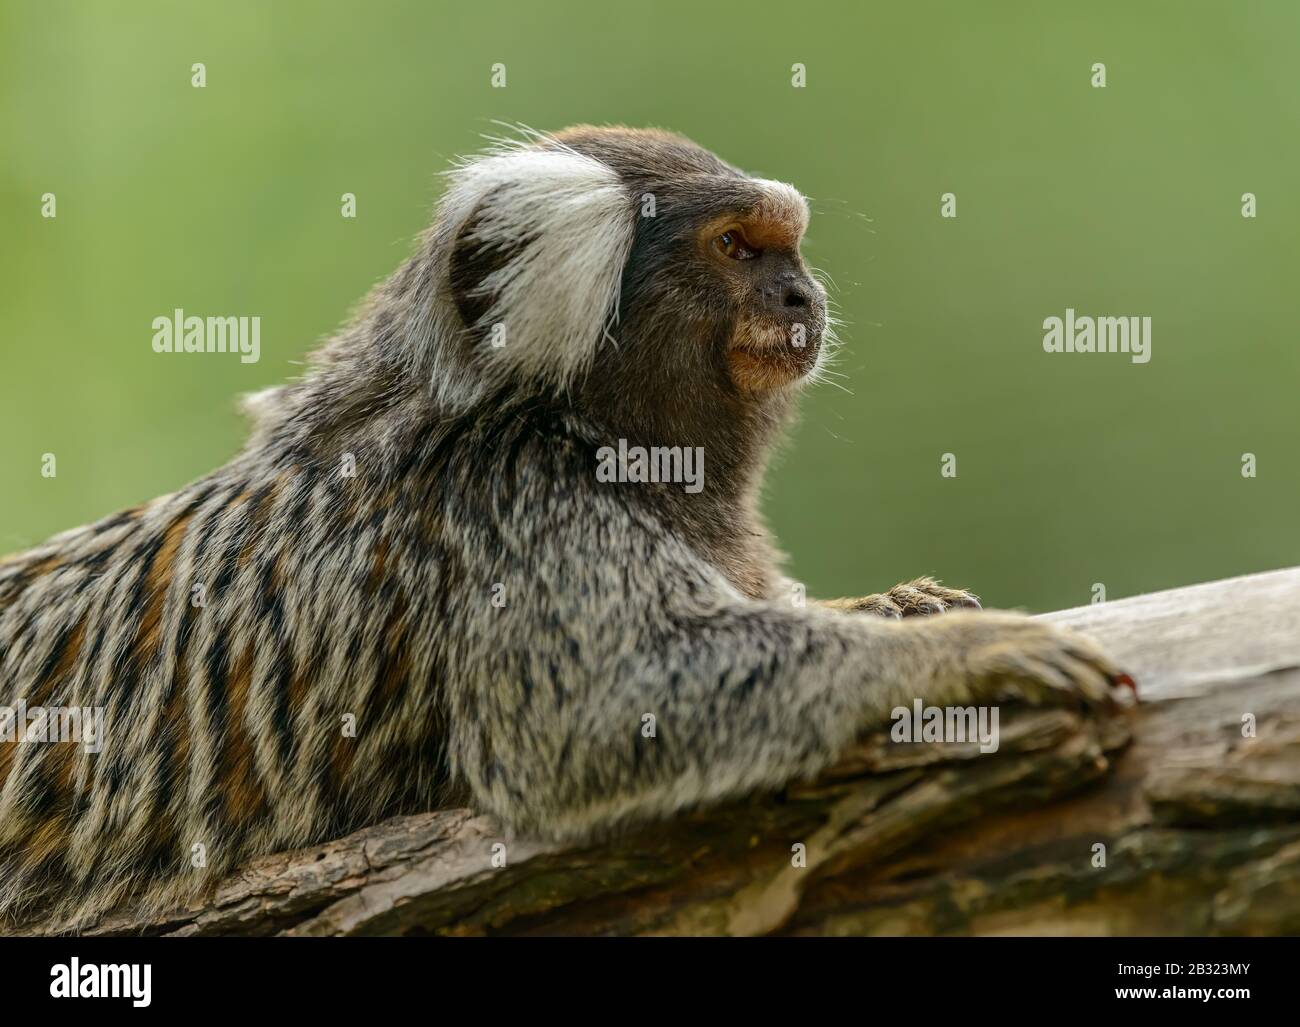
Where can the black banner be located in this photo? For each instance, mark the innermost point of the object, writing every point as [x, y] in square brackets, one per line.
[445, 978]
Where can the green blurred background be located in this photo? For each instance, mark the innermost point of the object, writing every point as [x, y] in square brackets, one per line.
[1072, 469]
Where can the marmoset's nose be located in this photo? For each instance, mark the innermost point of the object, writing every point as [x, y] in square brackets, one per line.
[791, 293]
[794, 294]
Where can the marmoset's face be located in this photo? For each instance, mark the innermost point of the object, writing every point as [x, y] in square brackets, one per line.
[776, 309]
[714, 302]
[715, 278]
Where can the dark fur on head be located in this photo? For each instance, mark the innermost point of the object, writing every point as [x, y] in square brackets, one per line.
[700, 350]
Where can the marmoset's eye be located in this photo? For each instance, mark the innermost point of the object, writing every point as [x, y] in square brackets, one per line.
[734, 247]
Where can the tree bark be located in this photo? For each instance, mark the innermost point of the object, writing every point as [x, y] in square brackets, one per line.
[1181, 816]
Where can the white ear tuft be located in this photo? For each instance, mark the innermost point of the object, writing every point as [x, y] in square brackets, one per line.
[567, 225]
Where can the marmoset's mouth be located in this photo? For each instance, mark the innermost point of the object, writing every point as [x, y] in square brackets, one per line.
[765, 355]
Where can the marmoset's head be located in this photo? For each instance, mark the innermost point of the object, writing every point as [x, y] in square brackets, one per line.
[629, 264]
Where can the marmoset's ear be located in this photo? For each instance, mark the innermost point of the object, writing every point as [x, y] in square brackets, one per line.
[538, 257]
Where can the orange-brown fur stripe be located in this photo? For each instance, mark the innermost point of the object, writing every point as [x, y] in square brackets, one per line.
[157, 584]
[245, 797]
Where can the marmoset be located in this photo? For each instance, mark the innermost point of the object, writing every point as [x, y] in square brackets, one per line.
[411, 588]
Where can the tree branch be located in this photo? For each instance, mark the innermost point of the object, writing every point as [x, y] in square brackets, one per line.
[1200, 823]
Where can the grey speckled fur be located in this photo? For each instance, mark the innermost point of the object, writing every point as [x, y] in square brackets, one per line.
[496, 621]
